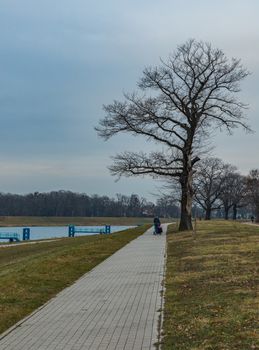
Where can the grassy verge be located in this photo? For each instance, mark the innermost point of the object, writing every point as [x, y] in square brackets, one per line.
[212, 297]
[62, 221]
[32, 274]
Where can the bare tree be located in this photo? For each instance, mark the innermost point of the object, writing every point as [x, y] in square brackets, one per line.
[239, 193]
[167, 207]
[253, 191]
[208, 184]
[234, 191]
[180, 101]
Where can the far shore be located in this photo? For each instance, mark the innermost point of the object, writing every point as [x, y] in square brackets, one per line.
[23, 221]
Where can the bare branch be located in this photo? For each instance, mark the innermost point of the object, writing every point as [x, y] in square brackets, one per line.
[155, 164]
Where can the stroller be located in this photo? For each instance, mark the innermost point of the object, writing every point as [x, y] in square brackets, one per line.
[157, 227]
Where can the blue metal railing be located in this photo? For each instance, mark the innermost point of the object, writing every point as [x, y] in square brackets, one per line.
[12, 236]
[102, 230]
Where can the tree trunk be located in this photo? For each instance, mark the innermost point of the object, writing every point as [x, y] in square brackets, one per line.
[186, 203]
[208, 213]
[234, 212]
[257, 213]
[226, 213]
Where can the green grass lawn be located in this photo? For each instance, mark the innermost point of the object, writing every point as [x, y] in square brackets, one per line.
[211, 299]
[32, 274]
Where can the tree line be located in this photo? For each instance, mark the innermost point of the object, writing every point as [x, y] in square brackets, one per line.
[67, 203]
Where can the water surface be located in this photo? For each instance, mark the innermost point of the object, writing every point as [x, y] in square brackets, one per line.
[47, 232]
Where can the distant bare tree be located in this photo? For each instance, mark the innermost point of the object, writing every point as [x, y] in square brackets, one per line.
[238, 193]
[208, 183]
[229, 193]
[233, 191]
[167, 207]
[253, 191]
[181, 101]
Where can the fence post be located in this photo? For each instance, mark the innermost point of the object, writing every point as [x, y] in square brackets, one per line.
[26, 234]
[71, 231]
[107, 229]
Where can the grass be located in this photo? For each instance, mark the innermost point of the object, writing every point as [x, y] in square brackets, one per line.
[32, 274]
[61, 221]
[211, 299]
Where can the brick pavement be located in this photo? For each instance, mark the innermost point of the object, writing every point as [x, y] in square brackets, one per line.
[116, 306]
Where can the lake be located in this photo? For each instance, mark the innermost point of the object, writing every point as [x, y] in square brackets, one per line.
[46, 232]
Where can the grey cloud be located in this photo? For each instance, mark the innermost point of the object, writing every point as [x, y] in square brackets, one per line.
[59, 62]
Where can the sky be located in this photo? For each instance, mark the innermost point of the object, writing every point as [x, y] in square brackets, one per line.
[61, 61]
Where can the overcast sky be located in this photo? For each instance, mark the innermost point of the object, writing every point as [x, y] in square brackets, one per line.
[60, 61]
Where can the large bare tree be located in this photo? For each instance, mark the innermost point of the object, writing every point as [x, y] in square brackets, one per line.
[179, 103]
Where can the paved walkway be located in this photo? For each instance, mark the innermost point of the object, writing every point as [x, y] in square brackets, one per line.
[116, 306]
